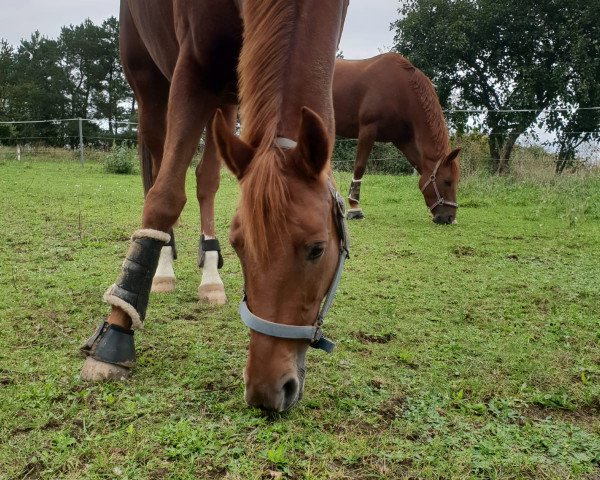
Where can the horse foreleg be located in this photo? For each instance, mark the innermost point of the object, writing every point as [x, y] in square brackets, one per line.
[366, 140]
[210, 260]
[112, 345]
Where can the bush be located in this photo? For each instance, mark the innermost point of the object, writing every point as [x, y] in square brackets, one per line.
[121, 159]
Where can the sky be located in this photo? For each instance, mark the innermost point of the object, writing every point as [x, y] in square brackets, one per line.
[366, 33]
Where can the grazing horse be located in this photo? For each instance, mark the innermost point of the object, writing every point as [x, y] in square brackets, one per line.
[186, 61]
[383, 99]
[387, 99]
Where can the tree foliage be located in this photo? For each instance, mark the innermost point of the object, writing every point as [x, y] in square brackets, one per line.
[508, 55]
[77, 75]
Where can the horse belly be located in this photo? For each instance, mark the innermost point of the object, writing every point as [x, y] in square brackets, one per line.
[208, 30]
[345, 107]
[155, 25]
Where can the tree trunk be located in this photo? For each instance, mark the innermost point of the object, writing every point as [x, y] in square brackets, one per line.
[131, 113]
[501, 147]
[495, 148]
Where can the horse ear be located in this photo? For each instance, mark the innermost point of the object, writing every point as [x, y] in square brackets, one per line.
[312, 153]
[452, 155]
[236, 153]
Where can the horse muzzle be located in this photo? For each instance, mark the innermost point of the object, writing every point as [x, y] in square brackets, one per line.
[275, 397]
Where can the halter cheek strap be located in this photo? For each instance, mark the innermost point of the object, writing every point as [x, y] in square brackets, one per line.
[432, 180]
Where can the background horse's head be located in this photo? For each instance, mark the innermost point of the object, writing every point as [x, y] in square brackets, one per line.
[285, 236]
[438, 183]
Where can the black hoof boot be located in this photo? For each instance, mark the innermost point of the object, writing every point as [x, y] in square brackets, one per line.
[355, 214]
[110, 353]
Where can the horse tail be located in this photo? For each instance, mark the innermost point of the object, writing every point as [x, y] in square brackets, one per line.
[145, 166]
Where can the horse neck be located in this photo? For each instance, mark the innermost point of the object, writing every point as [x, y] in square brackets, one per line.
[430, 134]
[286, 63]
[422, 155]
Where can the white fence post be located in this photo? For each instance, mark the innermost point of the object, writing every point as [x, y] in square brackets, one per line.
[80, 140]
[18, 152]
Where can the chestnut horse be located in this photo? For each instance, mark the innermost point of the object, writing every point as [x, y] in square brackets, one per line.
[387, 99]
[383, 98]
[186, 60]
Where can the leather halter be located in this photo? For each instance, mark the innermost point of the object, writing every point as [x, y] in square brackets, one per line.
[432, 180]
[313, 332]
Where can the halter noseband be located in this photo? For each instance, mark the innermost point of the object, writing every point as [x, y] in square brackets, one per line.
[311, 332]
[432, 180]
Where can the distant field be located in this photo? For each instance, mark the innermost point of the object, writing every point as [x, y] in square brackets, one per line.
[468, 351]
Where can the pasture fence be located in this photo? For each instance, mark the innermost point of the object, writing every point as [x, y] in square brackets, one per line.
[538, 148]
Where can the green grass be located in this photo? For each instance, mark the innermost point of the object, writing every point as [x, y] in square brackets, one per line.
[469, 351]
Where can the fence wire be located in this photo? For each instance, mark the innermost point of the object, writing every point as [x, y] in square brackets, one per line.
[88, 139]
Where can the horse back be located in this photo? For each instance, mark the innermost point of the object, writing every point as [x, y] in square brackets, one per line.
[374, 90]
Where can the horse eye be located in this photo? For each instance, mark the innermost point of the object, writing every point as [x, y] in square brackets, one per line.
[448, 183]
[315, 251]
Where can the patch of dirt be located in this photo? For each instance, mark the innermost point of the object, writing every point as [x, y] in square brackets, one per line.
[372, 466]
[366, 338]
[18, 430]
[392, 408]
[32, 470]
[159, 474]
[542, 304]
[504, 237]
[51, 425]
[376, 383]
[463, 251]
[583, 416]
[190, 317]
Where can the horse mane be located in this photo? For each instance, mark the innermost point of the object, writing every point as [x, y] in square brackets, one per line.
[430, 104]
[268, 35]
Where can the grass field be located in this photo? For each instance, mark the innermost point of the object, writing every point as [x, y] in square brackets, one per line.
[468, 351]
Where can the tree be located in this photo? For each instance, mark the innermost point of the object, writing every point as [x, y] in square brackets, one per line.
[581, 123]
[78, 75]
[114, 93]
[39, 89]
[486, 54]
[6, 77]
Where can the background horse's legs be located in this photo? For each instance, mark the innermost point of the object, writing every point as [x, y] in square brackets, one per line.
[188, 111]
[211, 287]
[366, 138]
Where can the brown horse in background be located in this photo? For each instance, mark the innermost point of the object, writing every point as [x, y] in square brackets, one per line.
[186, 60]
[387, 99]
[383, 99]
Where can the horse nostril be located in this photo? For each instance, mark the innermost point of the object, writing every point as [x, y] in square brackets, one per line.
[290, 392]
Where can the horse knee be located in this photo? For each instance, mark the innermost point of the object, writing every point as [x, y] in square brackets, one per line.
[206, 194]
[161, 210]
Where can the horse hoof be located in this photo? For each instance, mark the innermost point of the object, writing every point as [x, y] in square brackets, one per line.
[213, 294]
[163, 284]
[355, 214]
[96, 371]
